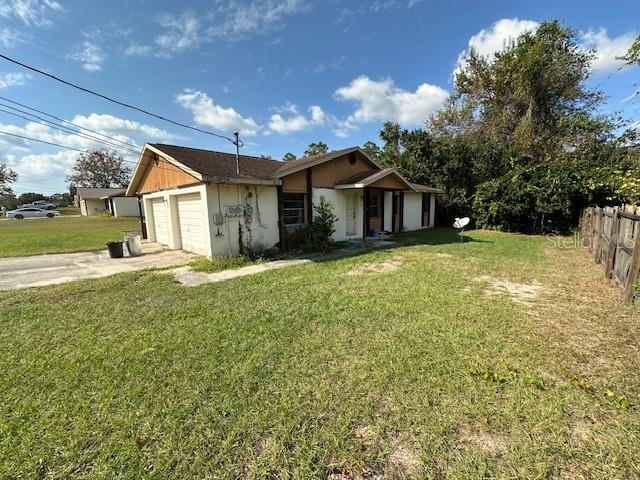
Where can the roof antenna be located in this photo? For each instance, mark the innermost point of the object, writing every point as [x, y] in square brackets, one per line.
[238, 143]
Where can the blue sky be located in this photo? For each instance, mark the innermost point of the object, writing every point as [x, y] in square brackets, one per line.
[283, 72]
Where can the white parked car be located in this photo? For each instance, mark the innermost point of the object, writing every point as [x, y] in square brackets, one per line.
[31, 212]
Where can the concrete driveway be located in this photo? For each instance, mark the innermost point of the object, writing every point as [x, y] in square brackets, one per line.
[40, 270]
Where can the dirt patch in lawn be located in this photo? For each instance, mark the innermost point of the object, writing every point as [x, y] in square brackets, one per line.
[380, 267]
[483, 441]
[403, 462]
[522, 293]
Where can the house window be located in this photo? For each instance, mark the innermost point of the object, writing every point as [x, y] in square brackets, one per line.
[293, 208]
[373, 205]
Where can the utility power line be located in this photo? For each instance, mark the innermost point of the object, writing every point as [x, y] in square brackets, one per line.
[70, 131]
[25, 137]
[62, 120]
[113, 100]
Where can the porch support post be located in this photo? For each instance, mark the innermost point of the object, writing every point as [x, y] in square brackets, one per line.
[401, 210]
[381, 212]
[309, 197]
[365, 214]
[281, 234]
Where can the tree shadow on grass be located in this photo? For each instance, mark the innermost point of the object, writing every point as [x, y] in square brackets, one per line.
[435, 236]
[432, 236]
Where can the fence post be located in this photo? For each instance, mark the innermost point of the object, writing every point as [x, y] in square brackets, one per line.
[598, 233]
[613, 245]
[634, 269]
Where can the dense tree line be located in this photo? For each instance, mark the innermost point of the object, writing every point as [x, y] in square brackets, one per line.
[521, 143]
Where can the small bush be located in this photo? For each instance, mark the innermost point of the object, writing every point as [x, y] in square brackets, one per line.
[317, 236]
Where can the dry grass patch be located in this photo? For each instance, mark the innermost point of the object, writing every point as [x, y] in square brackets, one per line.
[483, 441]
[385, 266]
[584, 311]
[523, 293]
[403, 462]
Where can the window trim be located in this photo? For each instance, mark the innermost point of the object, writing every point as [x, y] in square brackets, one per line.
[301, 211]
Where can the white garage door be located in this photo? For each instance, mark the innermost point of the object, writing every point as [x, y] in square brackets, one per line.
[191, 223]
[160, 220]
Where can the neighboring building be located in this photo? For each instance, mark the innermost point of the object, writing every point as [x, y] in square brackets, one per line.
[196, 200]
[93, 201]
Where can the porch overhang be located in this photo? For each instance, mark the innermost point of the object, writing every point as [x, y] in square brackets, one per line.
[370, 179]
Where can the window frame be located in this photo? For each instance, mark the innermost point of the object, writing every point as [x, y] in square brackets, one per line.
[300, 212]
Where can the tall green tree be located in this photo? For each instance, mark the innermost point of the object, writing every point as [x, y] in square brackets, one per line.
[101, 169]
[390, 135]
[30, 197]
[288, 156]
[316, 149]
[520, 144]
[372, 150]
[7, 178]
[531, 96]
[633, 55]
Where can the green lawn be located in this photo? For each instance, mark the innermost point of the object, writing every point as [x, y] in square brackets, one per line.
[61, 234]
[399, 363]
[68, 210]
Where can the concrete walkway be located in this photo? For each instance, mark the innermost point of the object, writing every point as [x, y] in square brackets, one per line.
[189, 278]
[40, 270]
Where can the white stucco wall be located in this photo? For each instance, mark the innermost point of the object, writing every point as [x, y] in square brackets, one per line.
[125, 207]
[339, 200]
[412, 211]
[262, 232]
[91, 206]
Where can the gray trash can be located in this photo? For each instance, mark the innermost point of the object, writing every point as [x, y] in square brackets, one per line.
[134, 244]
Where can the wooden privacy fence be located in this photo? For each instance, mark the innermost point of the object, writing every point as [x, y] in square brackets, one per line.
[613, 236]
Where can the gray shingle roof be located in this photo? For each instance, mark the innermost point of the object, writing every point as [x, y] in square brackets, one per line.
[85, 192]
[220, 164]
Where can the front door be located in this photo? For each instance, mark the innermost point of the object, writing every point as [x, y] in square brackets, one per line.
[350, 214]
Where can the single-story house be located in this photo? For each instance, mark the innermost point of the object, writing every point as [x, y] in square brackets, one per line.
[207, 202]
[93, 201]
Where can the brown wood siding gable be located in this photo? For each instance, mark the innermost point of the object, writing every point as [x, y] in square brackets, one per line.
[326, 175]
[164, 176]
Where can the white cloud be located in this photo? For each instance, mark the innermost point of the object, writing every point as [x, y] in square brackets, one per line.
[228, 21]
[495, 38]
[46, 166]
[121, 128]
[294, 121]
[90, 56]
[10, 37]
[139, 50]
[180, 33]
[498, 36]
[12, 79]
[31, 12]
[206, 112]
[381, 101]
[242, 19]
[606, 49]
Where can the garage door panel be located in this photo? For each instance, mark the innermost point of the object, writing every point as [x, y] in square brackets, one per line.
[160, 222]
[192, 223]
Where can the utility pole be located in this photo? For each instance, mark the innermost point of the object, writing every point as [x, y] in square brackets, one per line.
[238, 144]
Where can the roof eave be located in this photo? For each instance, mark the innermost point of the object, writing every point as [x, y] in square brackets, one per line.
[322, 160]
[138, 171]
[243, 180]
